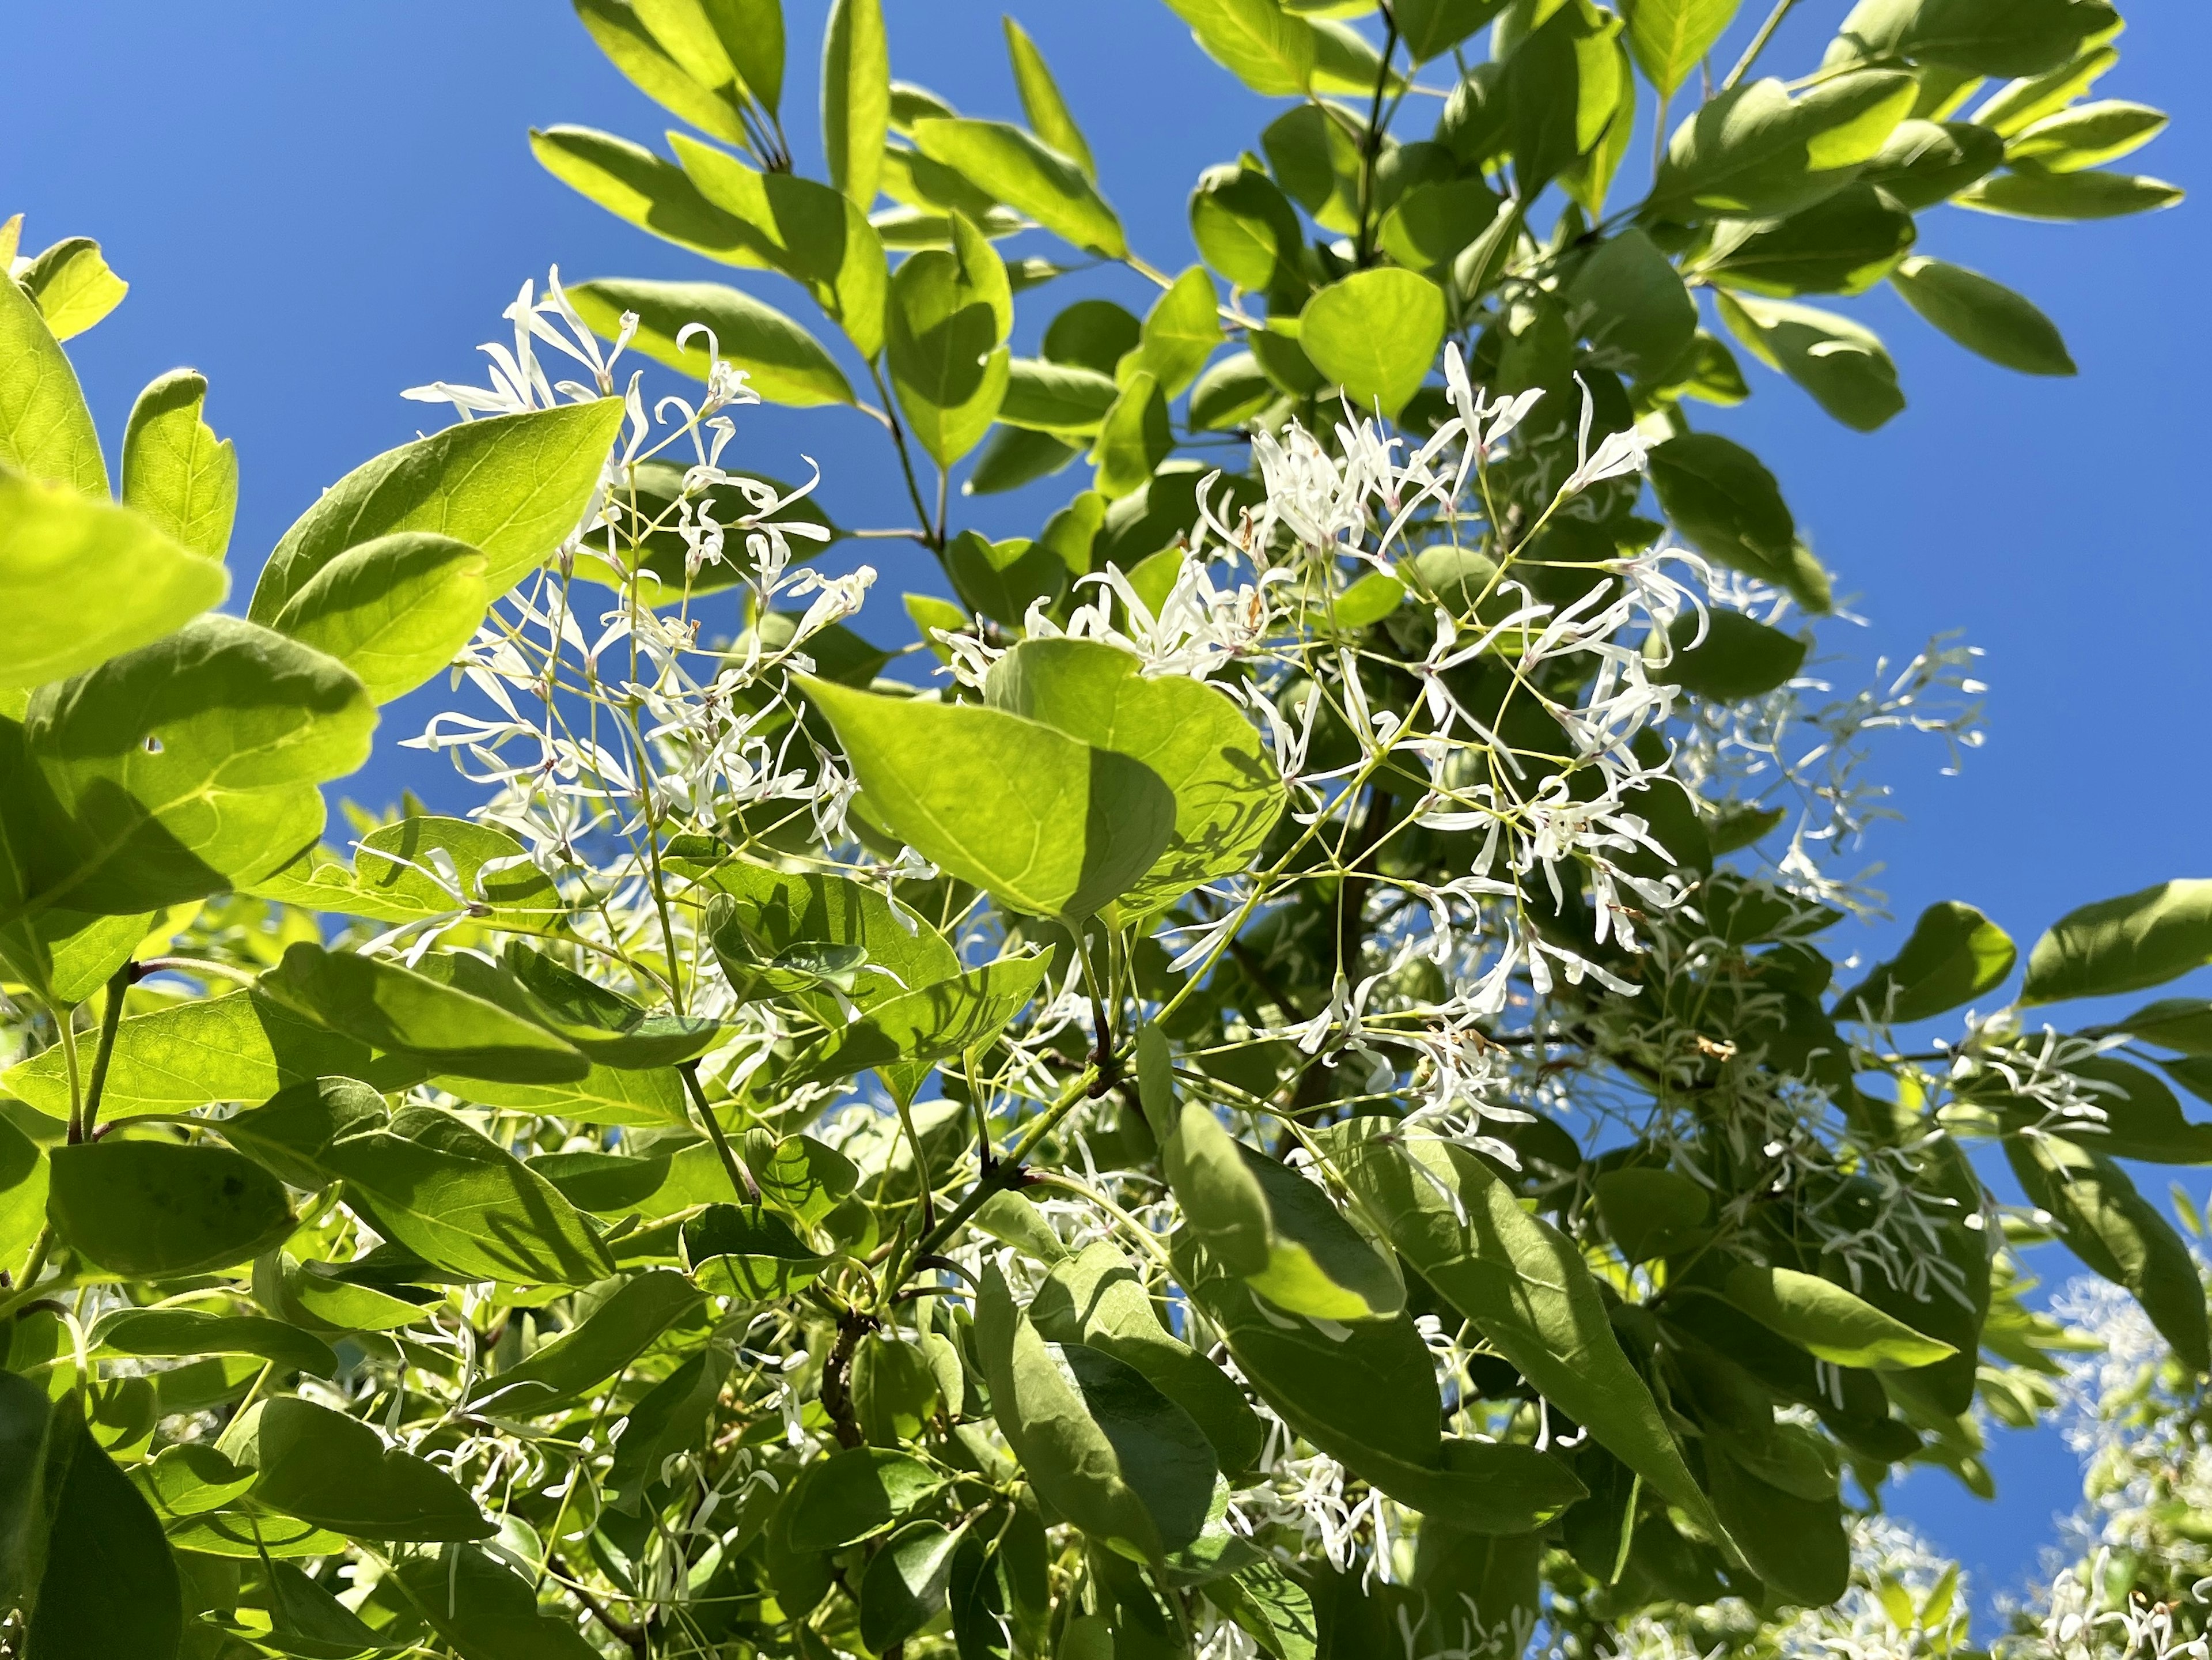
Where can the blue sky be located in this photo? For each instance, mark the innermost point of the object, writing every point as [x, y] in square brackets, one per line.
[319, 205]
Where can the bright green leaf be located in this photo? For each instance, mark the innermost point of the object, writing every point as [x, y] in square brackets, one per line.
[396, 610]
[175, 470]
[1830, 1323]
[85, 581]
[1049, 824]
[1200, 744]
[45, 430]
[1376, 334]
[785, 363]
[856, 97]
[513, 486]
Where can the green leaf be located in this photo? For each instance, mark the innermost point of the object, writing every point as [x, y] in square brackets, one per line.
[1428, 28]
[1521, 1282]
[2027, 193]
[668, 1420]
[305, 1619]
[1956, 955]
[775, 918]
[930, 1023]
[174, 470]
[632, 183]
[2022, 103]
[1845, 243]
[806, 230]
[1366, 1396]
[1277, 1232]
[752, 34]
[1095, 1299]
[395, 610]
[110, 1585]
[944, 340]
[1198, 742]
[1233, 391]
[72, 285]
[241, 1046]
[856, 97]
[179, 770]
[1977, 36]
[85, 581]
[1756, 153]
[1003, 580]
[904, 1586]
[1652, 1212]
[45, 430]
[1924, 163]
[2119, 1234]
[1643, 316]
[1844, 366]
[335, 1471]
[1562, 87]
[287, 1133]
[1059, 397]
[1134, 439]
[425, 866]
[155, 1209]
[2171, 1023]
[23, 1193]
[1431, 224]
[845, 1498]
[1049, 824]
[1180, 331]
[1264, 46]
[2087, 135]
[1245, 227]
[1025, 175]
[514, 487]
[610, 1029]
[401, 1011]
[1739, 657]
[2127, 944]
[657, 1185]
[784, 364]
[462, 1203]
[1670, 38]
[484, 1611]
[1376, 334]
[1048, 111]
[747, 1252]
[1797, 1546]
[194, 1331]
[1727, 504]
[2145, 1121]
[1095, 1439]
[1828, 1322]
[669, 64]
[1982, 316]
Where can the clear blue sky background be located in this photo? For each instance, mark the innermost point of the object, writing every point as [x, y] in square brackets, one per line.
[319, 205]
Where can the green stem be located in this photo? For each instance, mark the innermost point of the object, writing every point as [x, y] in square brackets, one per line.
[741, 1179]
[906, 459]
[110, 1017]
[1370, 145]
[65, 1027]
[1782, 10]
[33, 1266]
